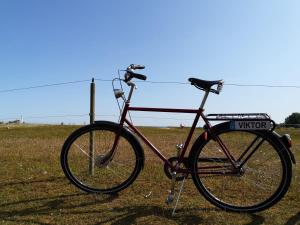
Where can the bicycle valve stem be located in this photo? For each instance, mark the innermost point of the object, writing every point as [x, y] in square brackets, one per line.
[179, 148]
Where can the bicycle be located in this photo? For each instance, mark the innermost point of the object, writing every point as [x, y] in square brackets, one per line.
[227, 161]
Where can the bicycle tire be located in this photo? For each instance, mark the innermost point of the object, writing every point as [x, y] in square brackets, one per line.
[119, 172]
[239, 193]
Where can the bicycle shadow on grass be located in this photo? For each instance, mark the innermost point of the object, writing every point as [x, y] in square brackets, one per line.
[131, 214]
[76, 204]
[294, 219]
[21, 211]
[31, 181]
[46, 206]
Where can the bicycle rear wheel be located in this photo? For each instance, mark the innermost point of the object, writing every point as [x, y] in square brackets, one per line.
[88, 171]
[263, 180]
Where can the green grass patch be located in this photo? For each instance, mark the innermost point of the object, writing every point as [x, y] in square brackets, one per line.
[33, 189]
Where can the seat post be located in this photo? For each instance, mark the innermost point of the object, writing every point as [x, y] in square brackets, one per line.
[204, 99]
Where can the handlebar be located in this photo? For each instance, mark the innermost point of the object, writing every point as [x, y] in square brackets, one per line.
[135, 67]
[130, 74]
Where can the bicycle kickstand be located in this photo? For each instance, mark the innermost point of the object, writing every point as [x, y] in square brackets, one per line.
[170, 197]
[178, 196]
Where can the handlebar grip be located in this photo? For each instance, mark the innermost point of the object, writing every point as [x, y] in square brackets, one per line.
[140, 76]
[130, 74]
[139, 67]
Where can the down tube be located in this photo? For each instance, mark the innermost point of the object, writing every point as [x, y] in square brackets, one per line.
[155, 150]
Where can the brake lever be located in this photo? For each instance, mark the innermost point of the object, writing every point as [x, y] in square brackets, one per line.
[127, 77]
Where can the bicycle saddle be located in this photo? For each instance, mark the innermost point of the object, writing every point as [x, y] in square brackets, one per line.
[206, 85]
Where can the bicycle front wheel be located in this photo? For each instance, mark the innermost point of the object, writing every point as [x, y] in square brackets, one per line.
[262, 181]
[83, 154]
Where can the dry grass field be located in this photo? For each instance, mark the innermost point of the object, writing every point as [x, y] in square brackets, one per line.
[33, 189]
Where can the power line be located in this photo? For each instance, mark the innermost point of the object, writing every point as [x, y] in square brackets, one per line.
[46, 116]
[164, 82]
[55, 116]
[98, 115]
[42, 86]
[161, 118]
[228, 84]
[103, 80]
[152, 82]
[263, 85]
[117, 116]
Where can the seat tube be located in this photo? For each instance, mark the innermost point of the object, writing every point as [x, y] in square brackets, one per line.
[204, 100]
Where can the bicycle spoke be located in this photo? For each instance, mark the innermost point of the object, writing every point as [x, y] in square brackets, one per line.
[252, 152]
[261, 185]
[273, 173]
[120, 164]
[108, 173]
[248, 148]
[82, 151]
[259, 177]
[115, 172]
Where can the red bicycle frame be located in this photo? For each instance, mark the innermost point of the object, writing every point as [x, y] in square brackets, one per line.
[198, 112]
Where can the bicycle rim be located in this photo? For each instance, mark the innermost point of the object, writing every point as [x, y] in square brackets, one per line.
[110, 176]
[260, 184]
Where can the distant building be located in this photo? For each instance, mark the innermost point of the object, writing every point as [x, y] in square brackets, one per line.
[14, 122]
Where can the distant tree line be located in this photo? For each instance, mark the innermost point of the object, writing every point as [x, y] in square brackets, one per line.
[12, 122]
[293, 120]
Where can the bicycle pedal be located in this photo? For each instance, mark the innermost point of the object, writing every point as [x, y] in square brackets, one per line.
[148, 195]
[170, 198]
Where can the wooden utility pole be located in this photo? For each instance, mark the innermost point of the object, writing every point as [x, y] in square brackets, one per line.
[92, 119]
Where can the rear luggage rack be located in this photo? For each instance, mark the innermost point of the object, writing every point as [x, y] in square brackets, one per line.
[245, 121]
[238, 116]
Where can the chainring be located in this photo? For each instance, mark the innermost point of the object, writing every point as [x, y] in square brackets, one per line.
[174, 161]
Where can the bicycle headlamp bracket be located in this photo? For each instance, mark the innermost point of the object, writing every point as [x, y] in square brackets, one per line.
[118, 93]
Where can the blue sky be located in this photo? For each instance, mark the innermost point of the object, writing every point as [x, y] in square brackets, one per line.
[245, 42]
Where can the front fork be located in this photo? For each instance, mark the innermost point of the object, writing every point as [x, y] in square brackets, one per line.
[105, 159]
